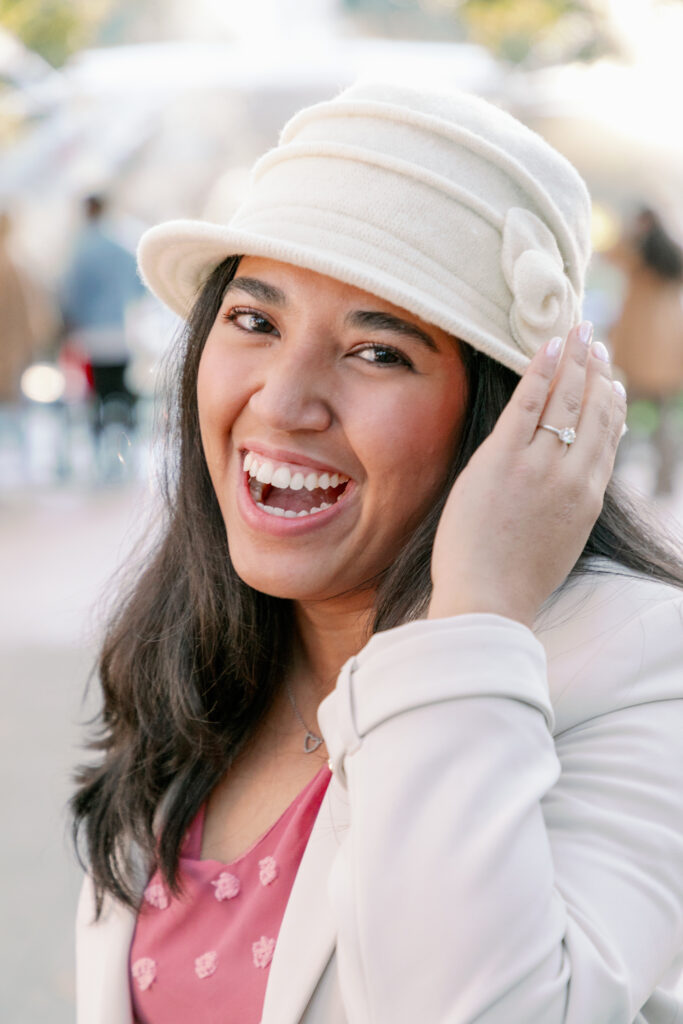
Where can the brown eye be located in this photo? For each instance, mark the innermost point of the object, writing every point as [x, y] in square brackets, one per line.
[382, 355]
[250, 321]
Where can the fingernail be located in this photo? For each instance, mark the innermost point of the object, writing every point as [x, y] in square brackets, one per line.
[599, 350]
[586, 332]
[624, 430]
[619, 388]
[553, 347]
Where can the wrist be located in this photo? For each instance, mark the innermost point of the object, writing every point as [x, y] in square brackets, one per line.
[445, 607]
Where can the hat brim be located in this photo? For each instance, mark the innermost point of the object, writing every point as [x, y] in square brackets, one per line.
[176, 259]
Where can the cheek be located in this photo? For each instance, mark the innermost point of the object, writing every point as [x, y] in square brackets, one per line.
[219, 399]
[418, 444]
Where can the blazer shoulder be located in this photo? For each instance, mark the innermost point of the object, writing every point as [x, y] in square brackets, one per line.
[613, 638]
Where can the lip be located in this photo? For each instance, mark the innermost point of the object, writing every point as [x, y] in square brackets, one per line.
[294, 458]
[280, 526]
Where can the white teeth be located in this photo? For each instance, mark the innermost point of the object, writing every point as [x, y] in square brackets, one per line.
[281, 477]
[289, 513]
[265, 473]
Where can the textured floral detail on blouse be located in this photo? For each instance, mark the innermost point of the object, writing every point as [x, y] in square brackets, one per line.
[262, 951]
[205, 965]
[144, 971]
[267, 870]
[156, 895]
[218, 912]
[227, 886]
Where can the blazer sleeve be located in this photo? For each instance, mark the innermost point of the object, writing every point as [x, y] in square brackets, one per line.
[492, 873]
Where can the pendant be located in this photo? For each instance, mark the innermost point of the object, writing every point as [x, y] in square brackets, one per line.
[311, 742]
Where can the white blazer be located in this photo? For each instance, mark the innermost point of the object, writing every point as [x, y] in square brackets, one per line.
[502, 838]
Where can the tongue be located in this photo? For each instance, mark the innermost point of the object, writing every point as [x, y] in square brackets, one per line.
[302, 500]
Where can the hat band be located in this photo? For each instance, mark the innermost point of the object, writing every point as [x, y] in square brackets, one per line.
[338, 110]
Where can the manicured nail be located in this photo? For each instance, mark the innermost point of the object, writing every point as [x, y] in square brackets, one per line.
[586, 332]
[553, 347]
[619, 388]
[599, 350]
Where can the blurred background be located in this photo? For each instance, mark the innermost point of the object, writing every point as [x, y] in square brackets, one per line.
[115, 114]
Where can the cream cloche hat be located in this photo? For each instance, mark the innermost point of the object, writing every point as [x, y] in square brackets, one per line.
[442, 204]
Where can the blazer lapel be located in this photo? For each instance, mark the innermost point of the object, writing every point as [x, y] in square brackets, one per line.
[307, 935]
[102, 948]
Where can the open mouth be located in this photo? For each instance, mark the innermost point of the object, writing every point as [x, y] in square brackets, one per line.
[293, 493]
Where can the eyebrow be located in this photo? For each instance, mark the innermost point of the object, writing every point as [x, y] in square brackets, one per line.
[257, 289]
[376, 321]
[369, 320]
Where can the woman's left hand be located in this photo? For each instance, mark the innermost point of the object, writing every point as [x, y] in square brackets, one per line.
[520, 513]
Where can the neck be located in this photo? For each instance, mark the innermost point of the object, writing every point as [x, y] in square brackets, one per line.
[329, 632]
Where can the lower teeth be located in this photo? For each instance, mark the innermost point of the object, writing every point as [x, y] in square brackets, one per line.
[290, 513]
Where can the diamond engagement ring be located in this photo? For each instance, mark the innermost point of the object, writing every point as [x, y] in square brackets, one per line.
[567, 435]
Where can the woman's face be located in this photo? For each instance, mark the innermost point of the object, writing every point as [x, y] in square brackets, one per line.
[328, 418]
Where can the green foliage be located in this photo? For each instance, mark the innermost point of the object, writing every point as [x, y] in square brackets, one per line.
[510, 28]
[54, 28]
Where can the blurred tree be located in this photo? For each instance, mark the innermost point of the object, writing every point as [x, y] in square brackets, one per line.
[55, 28]
[511, 29]
[530, 31]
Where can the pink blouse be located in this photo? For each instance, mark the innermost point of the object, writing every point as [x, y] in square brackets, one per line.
[205, 955]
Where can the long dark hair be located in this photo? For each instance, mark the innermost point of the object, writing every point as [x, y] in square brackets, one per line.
[186, 673]
[658, 251]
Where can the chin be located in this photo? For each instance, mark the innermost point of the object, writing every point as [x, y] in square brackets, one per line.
[299, 586]
[287, 585]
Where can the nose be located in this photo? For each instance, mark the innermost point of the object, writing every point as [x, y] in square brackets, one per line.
[293, 390]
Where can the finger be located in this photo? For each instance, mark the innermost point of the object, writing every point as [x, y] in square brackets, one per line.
[604, 463]
[566, 397]
[518, 422]
[593, 441]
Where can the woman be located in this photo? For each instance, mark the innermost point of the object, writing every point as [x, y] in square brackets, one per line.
[499, 833]
[647, 338]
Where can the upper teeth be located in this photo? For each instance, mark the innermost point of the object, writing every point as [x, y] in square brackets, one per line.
[267, 472]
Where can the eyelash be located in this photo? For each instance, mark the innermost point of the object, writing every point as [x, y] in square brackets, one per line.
[399, 359]
[232, 315]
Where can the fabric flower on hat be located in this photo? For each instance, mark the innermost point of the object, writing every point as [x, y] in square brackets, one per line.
[544, 303]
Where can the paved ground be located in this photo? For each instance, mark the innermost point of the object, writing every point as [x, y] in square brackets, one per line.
[57, 549]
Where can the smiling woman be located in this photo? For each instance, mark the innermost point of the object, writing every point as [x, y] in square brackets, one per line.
[350, 410]
[401, 682]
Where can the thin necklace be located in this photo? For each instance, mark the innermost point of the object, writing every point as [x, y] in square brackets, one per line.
[311, 741]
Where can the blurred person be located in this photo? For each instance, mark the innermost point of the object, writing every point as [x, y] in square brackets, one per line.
[28, 329]
[99, 285]
[647, 338]
[392, 715]
[19, 338]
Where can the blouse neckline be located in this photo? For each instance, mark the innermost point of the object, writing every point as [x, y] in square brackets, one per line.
[191, 850]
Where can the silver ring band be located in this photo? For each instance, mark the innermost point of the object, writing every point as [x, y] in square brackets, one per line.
[567, 435]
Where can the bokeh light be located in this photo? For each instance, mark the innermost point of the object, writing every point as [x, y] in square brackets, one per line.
[43, 382]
